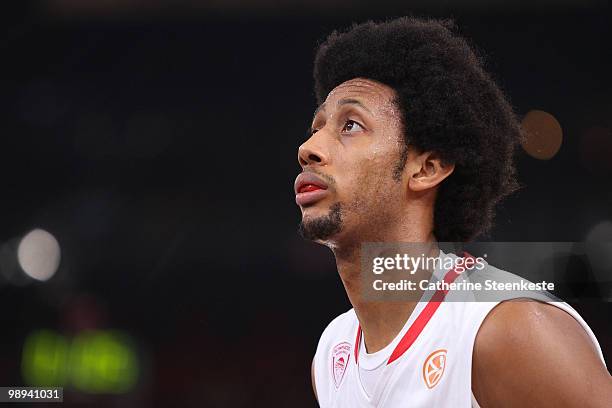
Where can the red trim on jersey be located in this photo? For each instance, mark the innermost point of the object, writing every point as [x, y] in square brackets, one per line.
[357, 342]
[420, 322]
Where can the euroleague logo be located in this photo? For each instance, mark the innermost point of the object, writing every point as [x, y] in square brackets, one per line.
[433, 368]
[340, 359]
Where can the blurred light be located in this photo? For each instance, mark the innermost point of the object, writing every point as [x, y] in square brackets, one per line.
[83, 312]
[103, 362]
[44, 359]
[543, 135]
[601, 232]
[9, 266]
[95, 361]
[596, 150]
[38, 254]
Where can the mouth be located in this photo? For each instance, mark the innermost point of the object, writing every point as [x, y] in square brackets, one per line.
[309, 189]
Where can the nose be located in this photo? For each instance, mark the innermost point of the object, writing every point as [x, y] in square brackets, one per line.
[311, 152]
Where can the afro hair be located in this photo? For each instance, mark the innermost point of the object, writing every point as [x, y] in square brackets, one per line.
[449, 105]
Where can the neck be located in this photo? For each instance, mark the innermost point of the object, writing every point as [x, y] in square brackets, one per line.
[380, 320]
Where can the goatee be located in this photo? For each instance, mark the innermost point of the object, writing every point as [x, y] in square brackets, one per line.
[323, 227]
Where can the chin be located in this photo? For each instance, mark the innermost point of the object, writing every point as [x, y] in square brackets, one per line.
[321, 224]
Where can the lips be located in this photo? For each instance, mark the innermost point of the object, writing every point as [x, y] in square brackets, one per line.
[309, 188]
[306, 188]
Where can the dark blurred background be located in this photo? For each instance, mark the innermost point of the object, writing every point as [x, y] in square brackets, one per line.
[153, 144]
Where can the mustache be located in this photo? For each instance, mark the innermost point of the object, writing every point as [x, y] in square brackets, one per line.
[328, 179]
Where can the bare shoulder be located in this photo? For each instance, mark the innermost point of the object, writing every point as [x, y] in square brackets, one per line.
[529, 353]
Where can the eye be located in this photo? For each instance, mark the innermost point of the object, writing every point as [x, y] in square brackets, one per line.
[350, 126]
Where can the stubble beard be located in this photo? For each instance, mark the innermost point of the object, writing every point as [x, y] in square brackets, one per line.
[323, 228]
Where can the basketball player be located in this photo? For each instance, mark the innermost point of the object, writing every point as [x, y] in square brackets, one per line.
[412, 141]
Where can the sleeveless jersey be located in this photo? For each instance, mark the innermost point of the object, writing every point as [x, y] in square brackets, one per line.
[431, 366]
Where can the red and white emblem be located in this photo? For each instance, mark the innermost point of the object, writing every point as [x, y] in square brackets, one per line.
[434, 368]
[340, 358]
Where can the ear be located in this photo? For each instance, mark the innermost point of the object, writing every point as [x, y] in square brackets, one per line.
[427, 170]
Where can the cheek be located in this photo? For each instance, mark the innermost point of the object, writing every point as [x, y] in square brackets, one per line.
[365, 167]
[372, 151]
[382, 158]
[368, 176]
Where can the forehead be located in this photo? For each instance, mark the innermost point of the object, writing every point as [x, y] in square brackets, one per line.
[369, 92]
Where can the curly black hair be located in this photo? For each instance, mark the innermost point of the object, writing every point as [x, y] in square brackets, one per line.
[450, 105]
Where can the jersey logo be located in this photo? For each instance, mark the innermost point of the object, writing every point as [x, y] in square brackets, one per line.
[434, 368]
[340, 359]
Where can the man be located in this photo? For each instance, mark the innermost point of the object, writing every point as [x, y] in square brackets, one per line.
[412, 142]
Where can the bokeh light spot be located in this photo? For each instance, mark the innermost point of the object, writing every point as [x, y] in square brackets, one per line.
[44, 358]
[39, 254]
[543, 135]
[93, 362]
[103, 362]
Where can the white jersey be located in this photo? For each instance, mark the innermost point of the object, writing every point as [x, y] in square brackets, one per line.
[431, 365]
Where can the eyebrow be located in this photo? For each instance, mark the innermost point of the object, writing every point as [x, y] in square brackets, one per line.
[346, 101]
[350, 101]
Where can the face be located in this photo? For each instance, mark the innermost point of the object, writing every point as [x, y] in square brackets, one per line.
[351, 184]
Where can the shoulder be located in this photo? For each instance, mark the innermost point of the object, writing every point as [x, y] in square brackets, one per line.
[342, 329]
[529, 353]
[339, 327]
